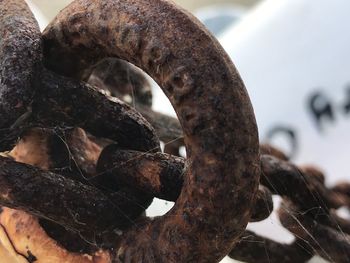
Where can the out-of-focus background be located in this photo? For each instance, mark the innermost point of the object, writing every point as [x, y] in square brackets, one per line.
[218, 14]
[293, 57]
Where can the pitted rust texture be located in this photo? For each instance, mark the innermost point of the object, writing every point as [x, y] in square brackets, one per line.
[161, 175]
[66, 102]
[330, 243]
[101, 209]
[122, 80]
[140, 170]
[175, 49]
[283, 178]
[307, 211]
[76, 206]
[131, 129]
[21, 74]
[20, 58]
[59, 153]
[60, 102]
[255, 248]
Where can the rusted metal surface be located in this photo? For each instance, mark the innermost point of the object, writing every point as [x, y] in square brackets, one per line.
[20, 58]
[255, 248]
[160, 38]
[65, 102]
[283, 178]
[122, 80]
[21, 67]
[330, 243]
[106, 75]
[161, 175]
[36, 141]
[76, 206]
[98, 161]
[263, 206]
[308, 211]
[124, 124]
[37, 148]
[62, 102]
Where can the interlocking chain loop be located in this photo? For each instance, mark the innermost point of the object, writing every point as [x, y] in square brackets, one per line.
[210, 100]
[174, 49]
[20, 58]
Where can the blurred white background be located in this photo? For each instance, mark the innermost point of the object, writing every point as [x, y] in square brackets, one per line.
[293, 56]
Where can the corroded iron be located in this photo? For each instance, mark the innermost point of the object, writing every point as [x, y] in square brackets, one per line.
[88, 165]
[20, 58]
[164, 49]
[255, 248]
[161, 175]
[307, 211]
[50, 107]
[330, 243]
[283, 177]
[69, 103]
[75, 205]
[122, 80]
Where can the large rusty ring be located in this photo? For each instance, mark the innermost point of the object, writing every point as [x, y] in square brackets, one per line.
[212, 105]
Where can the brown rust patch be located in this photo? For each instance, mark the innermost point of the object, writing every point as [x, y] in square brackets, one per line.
[213, 109]
[20, 58]
[255, 248]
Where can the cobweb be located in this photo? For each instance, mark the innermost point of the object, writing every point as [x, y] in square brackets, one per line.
[270, 227]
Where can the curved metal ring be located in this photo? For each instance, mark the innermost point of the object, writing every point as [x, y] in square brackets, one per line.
[20, 57]
[210, 100]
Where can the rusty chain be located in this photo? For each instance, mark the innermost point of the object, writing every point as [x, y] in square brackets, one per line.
[200, 227]
[304, 186]
[308, 210]
[87, 164]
